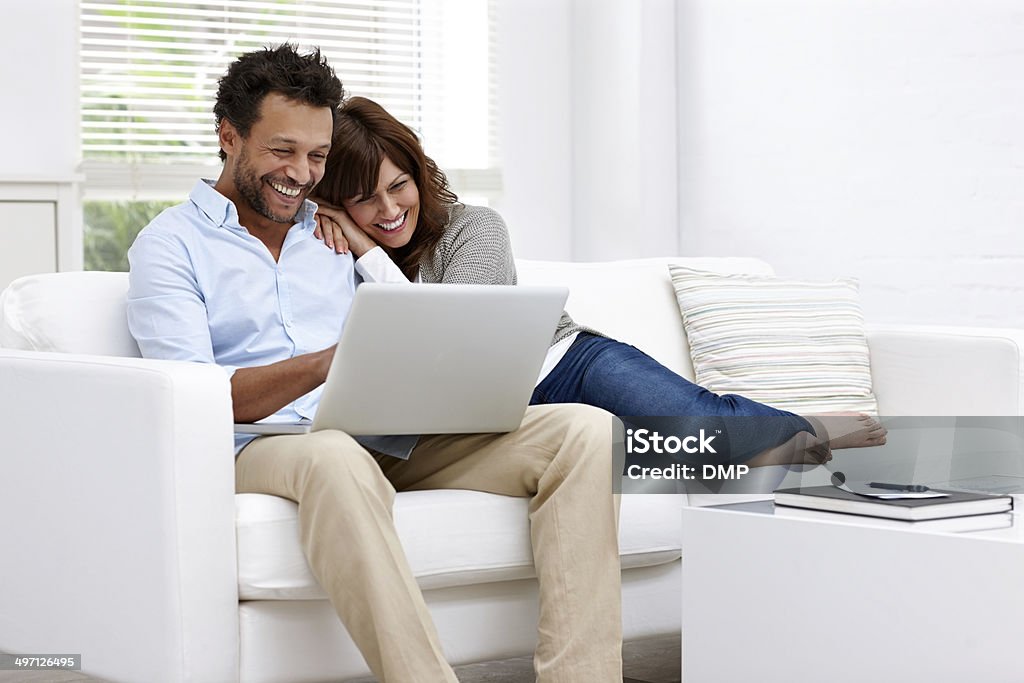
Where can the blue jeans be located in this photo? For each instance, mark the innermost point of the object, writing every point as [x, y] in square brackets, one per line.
[625, 381]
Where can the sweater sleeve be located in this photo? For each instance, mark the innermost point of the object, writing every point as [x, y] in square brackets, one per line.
[475, 249]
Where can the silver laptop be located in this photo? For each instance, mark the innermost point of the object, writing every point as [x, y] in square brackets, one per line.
[434, 359]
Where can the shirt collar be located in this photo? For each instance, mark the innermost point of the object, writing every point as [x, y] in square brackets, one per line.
[307, 219]
[223, 213]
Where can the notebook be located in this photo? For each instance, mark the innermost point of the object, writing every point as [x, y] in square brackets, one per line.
[434, 359]
[953, 504]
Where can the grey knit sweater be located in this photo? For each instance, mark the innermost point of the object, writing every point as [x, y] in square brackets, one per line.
[475, 249]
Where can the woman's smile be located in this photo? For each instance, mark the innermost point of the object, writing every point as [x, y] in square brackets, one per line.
[396, 224]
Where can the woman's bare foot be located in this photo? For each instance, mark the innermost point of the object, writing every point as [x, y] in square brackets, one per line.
[835, 430]
[850, 430]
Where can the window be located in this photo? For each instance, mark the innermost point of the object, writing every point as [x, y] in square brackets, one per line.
[149, 71]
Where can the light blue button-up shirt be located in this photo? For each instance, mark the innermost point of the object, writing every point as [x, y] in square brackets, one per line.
[201, 288]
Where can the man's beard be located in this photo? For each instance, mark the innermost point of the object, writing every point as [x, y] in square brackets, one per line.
[250, 187]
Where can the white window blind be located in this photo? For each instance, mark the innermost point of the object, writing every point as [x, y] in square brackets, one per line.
[149, 71]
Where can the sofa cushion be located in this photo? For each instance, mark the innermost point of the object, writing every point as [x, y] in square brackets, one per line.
[77, 312]
[793, 344]
[451, 538]
[632, 300]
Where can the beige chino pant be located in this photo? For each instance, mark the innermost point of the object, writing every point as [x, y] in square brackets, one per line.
[560, 457]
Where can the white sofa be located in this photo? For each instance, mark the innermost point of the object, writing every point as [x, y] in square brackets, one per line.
[123, 539]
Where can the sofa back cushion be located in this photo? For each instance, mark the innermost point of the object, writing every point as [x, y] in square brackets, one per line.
[630, 300]
[75, 312]
[633, 300]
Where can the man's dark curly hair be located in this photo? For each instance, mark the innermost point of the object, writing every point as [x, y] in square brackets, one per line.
[307, 79]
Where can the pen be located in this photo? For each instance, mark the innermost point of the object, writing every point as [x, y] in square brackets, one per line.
[909, 488]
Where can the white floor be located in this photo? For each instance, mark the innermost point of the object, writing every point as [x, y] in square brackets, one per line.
[649, 661]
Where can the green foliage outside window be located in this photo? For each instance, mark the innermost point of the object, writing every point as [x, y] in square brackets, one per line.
[111, 227]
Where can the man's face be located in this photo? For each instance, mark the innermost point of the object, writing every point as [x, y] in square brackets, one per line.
[282, 159]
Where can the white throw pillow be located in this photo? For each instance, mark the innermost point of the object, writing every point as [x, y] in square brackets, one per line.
[74, 312]
[792, 344]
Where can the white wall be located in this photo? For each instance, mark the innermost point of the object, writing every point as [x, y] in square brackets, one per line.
[587, 111]
[883, 140]
[534, 122]
[40, 75]
[879, 139]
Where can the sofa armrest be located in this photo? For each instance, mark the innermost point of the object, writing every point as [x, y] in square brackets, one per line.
[926, 370]
[117, 515]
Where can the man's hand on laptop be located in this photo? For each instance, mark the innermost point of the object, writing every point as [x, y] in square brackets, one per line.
[261, 391]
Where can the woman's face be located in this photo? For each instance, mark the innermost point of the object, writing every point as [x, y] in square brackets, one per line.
[389, 215]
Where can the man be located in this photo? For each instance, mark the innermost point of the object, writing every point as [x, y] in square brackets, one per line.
[235, 277]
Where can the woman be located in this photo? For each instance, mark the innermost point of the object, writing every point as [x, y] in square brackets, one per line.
[384, 199]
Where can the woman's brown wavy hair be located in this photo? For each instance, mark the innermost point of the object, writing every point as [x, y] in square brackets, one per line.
[364, 133]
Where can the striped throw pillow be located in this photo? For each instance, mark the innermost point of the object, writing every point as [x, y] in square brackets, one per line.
[795, 345]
